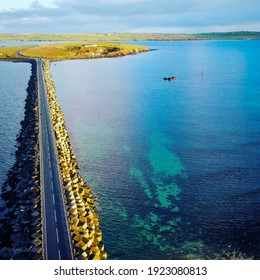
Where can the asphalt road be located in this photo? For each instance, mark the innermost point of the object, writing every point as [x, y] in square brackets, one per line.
[56, 234]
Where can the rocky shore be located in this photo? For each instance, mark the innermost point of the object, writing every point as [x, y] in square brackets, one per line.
[83, 220]
[20, 223]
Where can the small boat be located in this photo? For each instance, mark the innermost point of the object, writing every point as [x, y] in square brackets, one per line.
[170, 79]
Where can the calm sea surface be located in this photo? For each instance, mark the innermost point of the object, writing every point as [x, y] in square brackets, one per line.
[14, 79]
[176, 164]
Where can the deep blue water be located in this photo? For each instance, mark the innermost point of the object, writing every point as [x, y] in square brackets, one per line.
[14, 79]
[175, 164]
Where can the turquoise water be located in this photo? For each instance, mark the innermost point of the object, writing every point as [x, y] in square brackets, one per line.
[14, 79]
[175, 164]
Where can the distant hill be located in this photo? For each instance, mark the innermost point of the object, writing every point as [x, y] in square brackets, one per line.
[241, 35]
[238, 35]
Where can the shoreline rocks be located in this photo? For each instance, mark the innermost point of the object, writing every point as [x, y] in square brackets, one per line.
[83, 220]
[20, 227]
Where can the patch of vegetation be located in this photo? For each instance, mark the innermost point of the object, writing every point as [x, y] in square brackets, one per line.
[240, 35]
[95, 37]
[11, 52]
[64, 51]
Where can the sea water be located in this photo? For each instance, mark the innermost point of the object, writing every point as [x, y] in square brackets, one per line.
[175, 165]
[14, 79]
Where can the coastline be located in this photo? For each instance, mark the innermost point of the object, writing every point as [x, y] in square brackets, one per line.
[68, 51]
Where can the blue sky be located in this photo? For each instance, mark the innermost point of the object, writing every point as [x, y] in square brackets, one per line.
[166, 16]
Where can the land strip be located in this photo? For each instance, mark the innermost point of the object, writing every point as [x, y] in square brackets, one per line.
[66, 51]
[238, 35]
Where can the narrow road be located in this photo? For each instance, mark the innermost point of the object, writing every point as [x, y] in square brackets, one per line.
[56, 234]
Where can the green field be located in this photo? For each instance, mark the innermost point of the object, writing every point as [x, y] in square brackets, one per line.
[242, 35]
[72, 50]
[94, 37]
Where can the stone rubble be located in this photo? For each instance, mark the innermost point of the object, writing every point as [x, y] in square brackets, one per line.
[83, 220]
[20, 223]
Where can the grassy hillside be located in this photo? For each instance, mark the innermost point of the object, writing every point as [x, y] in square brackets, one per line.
[77, 50]
[94, 37]
[241, 35]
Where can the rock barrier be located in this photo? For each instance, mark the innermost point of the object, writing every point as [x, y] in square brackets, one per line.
[83, 220]
[20, 223]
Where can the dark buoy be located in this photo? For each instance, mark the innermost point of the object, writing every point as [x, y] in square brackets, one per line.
[170, 79]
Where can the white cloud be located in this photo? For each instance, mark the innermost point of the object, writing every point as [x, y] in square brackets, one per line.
[23, 4]
[115, 2]
[131, 15]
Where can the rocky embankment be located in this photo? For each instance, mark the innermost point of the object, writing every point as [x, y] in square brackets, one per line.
[20, 224]
[83, 220]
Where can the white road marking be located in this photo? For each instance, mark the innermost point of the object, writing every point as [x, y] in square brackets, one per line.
[57, 236]
[45, 244]
[46, 137]
[55, 217]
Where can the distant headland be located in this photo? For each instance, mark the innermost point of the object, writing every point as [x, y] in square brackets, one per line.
[237, 35]
[70, 50]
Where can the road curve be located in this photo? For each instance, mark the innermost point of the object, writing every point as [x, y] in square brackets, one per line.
[56, 234]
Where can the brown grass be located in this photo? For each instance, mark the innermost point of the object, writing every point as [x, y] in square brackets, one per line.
[10, 52]
[71, 50]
